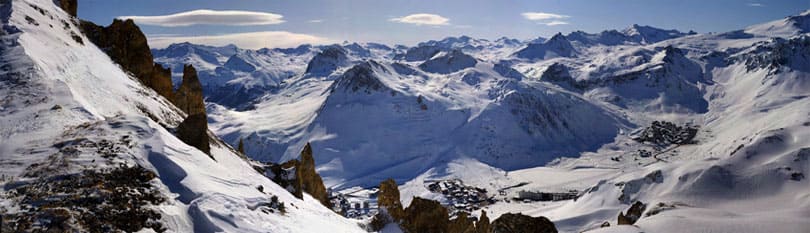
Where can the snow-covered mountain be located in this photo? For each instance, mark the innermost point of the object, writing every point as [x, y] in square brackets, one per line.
[474, 109]
[84, 146]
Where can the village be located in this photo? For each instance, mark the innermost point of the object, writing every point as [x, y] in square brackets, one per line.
[461, 198]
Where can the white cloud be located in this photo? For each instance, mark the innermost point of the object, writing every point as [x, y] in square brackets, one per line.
[209, 17]
[542, 16]
[316, 21]
[249, 40]
[555, 23]
[422, 19]
[754, 4]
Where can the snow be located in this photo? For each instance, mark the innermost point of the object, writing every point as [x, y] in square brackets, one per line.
[98, 101]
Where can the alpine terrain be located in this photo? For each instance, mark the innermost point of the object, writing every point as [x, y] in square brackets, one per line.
[633, 130]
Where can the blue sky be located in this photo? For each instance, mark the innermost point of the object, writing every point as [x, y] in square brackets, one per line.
[285, 23]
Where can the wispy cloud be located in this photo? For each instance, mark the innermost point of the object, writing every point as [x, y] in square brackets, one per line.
[544, 18]
[209, 17]
[316, 21]
[755, 4]
[422, 19]
[536, 16]
[555, 23]
[251, 40]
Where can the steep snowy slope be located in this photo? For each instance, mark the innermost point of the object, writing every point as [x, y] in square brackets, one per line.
[68, 111]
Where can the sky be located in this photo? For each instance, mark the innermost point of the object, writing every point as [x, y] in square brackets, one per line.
[288, 23]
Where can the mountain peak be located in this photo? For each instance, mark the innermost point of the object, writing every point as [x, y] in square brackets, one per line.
[361, 77]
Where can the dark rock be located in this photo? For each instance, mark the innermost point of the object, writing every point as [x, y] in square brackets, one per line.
[241, 147]
[633, 214]
[189, 96]
[194, 132]
[388, 199]
[605, 224]
[483, 225]
[519, 223]
[299, 176]
[308, 179]
[462, 224]
[126, 44]
[425, 216]
[69, 6]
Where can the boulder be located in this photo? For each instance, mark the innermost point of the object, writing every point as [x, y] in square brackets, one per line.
[519, 223]
[633, 214]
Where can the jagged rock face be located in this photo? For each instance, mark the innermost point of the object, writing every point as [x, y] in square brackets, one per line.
[299, 176]
[388, 199]
[189, 97]
[633, 214]
[519, 223]
[483, 225]
[69, 6]
[308, 178]
[448, 63]
[124, 42]
[194, 132]
[425, 216]
[461, 224]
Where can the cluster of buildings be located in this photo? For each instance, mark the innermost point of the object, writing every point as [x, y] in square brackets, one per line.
[354, 205]
[461, 198]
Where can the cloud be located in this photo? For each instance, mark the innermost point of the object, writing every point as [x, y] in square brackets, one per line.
[422, 19]
[754, 4]
[536, 16]
[555, 23]
[249, 40]
[209, 17]
[316, 21]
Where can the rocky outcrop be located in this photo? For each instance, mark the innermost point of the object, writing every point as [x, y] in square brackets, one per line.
[461, 224]
[388, 199]
[241, 147]
[299, 176]
[189, 96]
[194, 132]
[425, 216]
[69, 6]
[126, 45]
[483, 225]
[308, 179]
[633, 214]
[519, 223]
